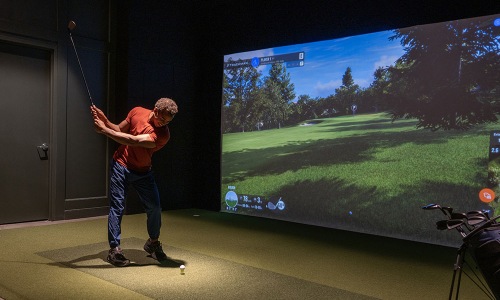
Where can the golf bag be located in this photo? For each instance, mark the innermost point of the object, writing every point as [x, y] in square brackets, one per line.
[485, 248]
[481, 239]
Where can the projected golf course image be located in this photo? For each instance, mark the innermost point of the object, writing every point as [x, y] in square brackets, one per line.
[360, 132]
[362, 173]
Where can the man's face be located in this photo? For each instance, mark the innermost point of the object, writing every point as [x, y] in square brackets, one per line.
[161, 118]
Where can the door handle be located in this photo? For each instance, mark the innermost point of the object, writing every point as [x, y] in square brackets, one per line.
[43, 150]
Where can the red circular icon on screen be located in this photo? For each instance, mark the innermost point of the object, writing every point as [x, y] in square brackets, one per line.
[487, 195]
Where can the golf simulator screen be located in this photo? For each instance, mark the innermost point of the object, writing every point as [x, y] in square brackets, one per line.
[359, 133]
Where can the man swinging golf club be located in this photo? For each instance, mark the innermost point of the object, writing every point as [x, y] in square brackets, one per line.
[142, 133]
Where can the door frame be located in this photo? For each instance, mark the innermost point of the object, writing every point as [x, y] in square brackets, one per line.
[56, 120]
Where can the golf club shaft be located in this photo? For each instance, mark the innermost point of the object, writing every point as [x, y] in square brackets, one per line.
[81, 69]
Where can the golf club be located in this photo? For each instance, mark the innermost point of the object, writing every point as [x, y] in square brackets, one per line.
[442, 224]
[72, 26]
[451, 224]
[462, 216]
[458, 215]
[447, 211]
[481, 227]
[444, 209]
[476, 220]
[481, 213]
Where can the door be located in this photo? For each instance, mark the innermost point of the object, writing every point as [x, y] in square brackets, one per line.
[25, 91]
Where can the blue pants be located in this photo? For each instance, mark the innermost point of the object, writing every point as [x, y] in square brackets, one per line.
[145, 185]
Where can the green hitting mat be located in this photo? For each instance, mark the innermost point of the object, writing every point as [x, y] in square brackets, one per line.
[205, 277]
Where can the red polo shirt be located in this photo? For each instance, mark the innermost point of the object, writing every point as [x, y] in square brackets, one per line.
[135, 157]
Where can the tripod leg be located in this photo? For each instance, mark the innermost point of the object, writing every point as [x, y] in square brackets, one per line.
[457, 267]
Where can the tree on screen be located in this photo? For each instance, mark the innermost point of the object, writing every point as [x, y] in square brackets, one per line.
[252, 103]
[448, 79]
[242, 98]
[279, 92]
[378, 92]
[346, 94]
[303, 109]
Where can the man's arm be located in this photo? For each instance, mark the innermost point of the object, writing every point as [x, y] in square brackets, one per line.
[141, 140]
[122, 127]
[118, 132]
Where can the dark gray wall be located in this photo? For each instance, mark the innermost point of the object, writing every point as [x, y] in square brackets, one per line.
[78, 156]
[157, 42]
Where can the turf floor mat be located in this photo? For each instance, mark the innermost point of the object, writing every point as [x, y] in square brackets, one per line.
[205, 277]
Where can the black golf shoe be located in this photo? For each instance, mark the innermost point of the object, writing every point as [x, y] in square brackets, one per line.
[155, 250]
[116, 257]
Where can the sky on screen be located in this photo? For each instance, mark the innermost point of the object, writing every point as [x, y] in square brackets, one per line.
[326, 61]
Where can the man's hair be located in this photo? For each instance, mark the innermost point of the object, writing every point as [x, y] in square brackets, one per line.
[168, 105]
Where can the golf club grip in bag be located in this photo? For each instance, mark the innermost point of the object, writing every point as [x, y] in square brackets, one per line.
[485, 246]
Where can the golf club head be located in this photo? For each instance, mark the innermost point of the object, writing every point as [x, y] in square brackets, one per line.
[487, 212]
[477, 213]
[476, 220]
[449, 224]
[444, 209]
[431, 206]
[447, 210]
[442, 224]
[456, 215]
[462, 216]
[452, 224]
[71, 26]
